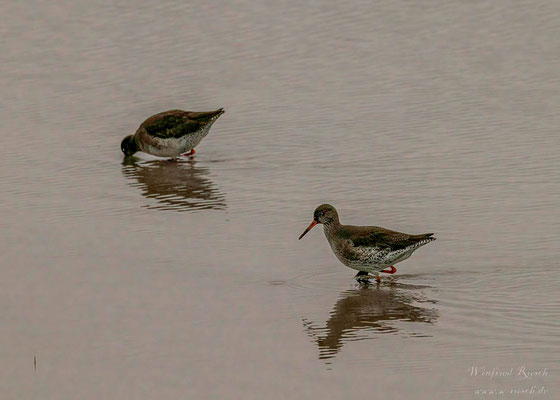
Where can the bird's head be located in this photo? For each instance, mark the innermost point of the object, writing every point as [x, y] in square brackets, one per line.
[129, 146]
[324, 214]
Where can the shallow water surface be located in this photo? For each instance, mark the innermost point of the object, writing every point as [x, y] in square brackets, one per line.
[143, 278]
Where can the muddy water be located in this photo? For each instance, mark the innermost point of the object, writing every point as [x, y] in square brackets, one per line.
[148, 279]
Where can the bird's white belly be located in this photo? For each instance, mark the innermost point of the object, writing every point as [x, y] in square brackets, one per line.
[169, 147]
[172, 147]
[368, 259]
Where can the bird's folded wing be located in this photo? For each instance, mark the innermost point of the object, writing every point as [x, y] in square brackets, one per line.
[171, 126]
[384, 238]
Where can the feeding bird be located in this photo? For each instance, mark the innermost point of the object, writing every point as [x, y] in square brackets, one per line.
[170, 133]
[367, 249]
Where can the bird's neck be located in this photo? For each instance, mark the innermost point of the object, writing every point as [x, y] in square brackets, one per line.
[331, 228]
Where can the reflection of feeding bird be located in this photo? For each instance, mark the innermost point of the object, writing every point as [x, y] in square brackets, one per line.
[368, 249]
[170, 133]
[366, 309]
[180, 186]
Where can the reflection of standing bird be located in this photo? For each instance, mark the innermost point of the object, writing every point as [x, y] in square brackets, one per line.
[170, 133]
[363, 309]
[368, 249]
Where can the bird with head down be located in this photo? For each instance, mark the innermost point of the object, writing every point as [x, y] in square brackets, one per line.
[170, 133]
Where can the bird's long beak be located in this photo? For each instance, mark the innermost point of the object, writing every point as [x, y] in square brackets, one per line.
[308, 229]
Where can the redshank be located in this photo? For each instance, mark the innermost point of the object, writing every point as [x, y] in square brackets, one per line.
[367, 249]
[170, 133]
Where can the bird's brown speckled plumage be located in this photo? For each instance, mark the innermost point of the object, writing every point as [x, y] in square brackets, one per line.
[368, 249]
[171, 133]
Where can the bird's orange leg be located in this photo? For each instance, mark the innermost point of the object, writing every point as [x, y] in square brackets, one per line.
[378, 279]
[190, 153]
[391, 271]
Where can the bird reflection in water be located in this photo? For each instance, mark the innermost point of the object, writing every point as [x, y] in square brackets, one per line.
[177, 186]
[364, 312]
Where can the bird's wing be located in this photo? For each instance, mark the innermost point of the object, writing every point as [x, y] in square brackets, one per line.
[171, 124]
[380, 237]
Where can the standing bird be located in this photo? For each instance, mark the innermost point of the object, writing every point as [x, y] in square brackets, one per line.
[170, 133]
[368, 249]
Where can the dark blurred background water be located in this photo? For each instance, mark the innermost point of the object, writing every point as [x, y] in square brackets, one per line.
[146, 279]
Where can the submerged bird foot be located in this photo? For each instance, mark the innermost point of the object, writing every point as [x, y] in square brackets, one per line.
[363, 277]
[391, 271]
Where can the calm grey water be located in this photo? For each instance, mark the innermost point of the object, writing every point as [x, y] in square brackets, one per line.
[146, 279]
